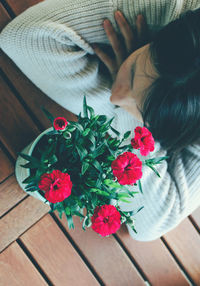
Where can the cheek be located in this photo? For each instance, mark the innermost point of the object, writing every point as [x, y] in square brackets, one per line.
[120, 92]
[121, 87]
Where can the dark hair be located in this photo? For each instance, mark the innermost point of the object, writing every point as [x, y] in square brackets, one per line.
[171, 109]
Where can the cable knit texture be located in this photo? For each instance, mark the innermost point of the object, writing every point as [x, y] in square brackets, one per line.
[50, 43]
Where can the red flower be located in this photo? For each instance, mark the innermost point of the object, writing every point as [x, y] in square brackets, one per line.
[106, 220]
[127, 168]
[144, 140]
[60, 123]
[57, 186]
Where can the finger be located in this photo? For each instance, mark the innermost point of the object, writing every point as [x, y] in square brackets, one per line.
[109, 63]
[142, 30]
[126, 31]
[115, 42]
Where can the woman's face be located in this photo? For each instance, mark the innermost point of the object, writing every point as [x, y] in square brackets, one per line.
[135, 75]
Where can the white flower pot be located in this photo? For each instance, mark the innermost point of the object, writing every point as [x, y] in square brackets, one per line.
[22, 173]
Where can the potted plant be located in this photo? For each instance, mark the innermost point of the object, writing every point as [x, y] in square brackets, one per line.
[77, 166]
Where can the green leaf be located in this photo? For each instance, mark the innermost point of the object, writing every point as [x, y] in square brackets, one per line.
[91, 110]
[28, 180]
[99, 192]
[53, 159]
[156, 160]
[78, 126]
[29, 158]
[123, 195]
[99, 150]
[139, 209]
[78, 214]
[91, 138]
[32, 189]
[85, 113]
[29, 166]
[115, 131]
[81, 151]
[123, 200]
[150, 166]
[140, 186]
[70, 128]
[48, 114]
[85, 133]
[126, 135]
[84, 167]
[102, 119]
[96, 164]
[70, 221]
[67, 211]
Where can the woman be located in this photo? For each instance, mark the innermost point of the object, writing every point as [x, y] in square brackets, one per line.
[51, 43]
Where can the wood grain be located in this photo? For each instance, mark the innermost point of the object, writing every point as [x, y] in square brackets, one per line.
[17, 270]
[56, 256]
[20, 6]
[17, 128]
[18, 220]
[195, 216]
[32, 95]
[6, 168]
[10, 194]
[184, 241]
[4, 17]
[154, 259]
[106, 256]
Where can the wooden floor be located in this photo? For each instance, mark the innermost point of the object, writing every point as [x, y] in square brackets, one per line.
[37, 247]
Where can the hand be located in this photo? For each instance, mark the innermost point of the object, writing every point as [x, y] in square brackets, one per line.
[132, 42]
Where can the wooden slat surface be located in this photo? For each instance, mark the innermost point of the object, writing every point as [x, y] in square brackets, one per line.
[31, 95]
[4, 17]
[17, 270]
[195, 216]
[10, 194]
[38, 232]
[185, 243]
[17, 128]
[20, 6]
[105, 254]
[19, 219]
[64, 267]
[152, 256]
[6, 166]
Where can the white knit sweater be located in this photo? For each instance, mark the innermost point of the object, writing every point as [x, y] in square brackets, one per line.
[50, 43]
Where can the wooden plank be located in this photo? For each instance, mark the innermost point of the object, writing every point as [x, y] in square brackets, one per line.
[18, 220]
[7, 167]
[184, 241]
[63, 266]
[4, 17]
[17, 128]
[105, 255]
[20, 6]
[10, 194]
[16, 269]
[154, 259]
[195, 216]
[32, 95]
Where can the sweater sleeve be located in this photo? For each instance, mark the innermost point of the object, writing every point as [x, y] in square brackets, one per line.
[49, 42]
[167, 200]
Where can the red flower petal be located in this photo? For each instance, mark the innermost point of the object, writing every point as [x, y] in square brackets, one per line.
[127, 167]
[57, 186]
[143, 140]
[60, 123]
[106, 220]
